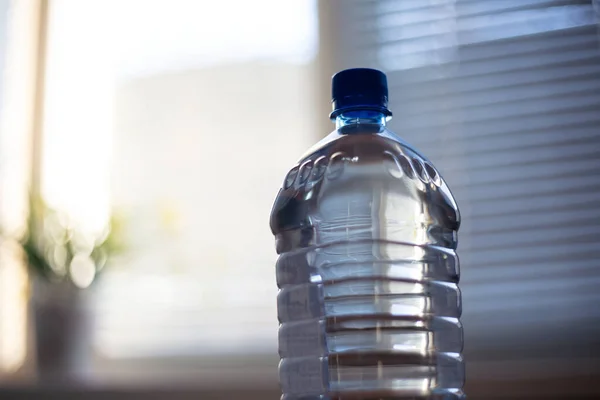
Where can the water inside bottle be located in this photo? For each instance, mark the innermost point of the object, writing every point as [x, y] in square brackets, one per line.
[366, 229]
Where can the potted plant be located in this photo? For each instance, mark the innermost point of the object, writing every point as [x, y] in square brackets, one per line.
[64, 262]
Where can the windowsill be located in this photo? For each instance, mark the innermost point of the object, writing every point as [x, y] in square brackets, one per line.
[557, 378]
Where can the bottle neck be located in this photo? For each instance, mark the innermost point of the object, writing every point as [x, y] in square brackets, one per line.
[360, 117]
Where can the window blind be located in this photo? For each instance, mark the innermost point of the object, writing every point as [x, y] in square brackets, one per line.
[503, 97]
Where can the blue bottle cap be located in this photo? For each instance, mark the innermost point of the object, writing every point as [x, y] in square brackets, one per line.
[359, 89]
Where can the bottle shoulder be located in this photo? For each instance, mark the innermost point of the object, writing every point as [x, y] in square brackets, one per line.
[357, 165]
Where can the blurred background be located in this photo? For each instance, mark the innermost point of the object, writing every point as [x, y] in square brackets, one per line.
[142, 143]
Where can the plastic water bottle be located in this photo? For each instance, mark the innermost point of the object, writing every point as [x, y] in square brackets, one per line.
[366, 229]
